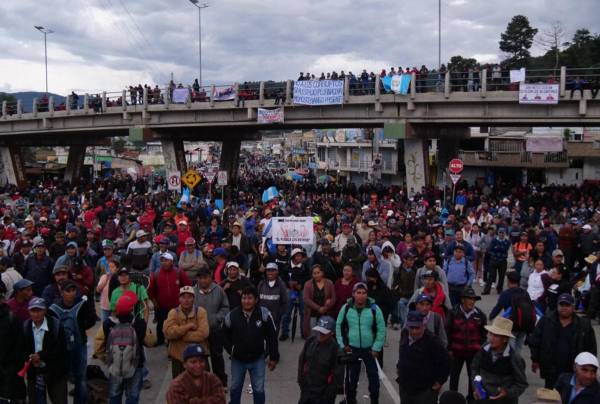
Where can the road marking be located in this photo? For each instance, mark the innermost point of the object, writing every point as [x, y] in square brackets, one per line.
[161, 398]
[387, 384]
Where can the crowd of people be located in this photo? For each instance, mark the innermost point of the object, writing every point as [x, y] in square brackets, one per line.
[126, 253]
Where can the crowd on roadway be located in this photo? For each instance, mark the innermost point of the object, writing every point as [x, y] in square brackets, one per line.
[128, 253]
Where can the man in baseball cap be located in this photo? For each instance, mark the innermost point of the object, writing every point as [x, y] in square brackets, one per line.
[317, 363]
[195, 381]
[580, 386]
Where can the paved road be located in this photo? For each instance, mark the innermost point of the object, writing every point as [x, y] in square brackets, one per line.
[281, 384]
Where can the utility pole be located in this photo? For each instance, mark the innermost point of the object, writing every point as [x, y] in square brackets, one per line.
[45, 31]
[439, 34]
[200, 6]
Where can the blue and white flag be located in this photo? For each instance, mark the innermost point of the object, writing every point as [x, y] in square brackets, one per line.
[185, 197]
[270, 193]
[399, 84]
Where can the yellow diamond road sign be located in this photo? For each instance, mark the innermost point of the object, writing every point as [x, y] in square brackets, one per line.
[191, 178]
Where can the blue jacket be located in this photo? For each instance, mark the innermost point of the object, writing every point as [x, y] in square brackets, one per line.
[459, 272]
[360, 326]
[498, 249]
[39, 272]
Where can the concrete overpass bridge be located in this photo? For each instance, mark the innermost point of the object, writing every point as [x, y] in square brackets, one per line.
[445, 114]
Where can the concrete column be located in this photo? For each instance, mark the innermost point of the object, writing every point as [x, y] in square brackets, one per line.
[213, 91]
[230, 154]
[124, 100]
[563, 80]
[236, 97]
[145, 100]
[4, 109]
[415, 162]
[19, 108]
[447, 85]
[103, 101]
[447, 149]
[174, 155]
[86, 103]
[68, 104]
[346, 89]
[14, 171]
[377, 89]
[413, 85]
[75, 160]
[288, 92]
[261, 93]
[35, 107]
[483, 77]
[51, 105]
[582, 106]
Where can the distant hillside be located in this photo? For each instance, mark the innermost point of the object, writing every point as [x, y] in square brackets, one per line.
[27, 97]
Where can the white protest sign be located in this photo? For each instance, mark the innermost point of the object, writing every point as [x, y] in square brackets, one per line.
[321, 92]
[517, 76]
[222, 178]
[270, 115]
[174, 180]
[538, 93]
[180, 95]
[292, 230]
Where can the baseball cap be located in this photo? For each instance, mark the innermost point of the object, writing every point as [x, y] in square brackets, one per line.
[428, 274]
[183, 222]
[123, 270]
[22, 284]
[166, 256]
[194, 351]
[140, 233]
[271, 266]
[107, 244]
[68, 284]
[586, 358]
[187, 289]
[40, 243]
[37, 303]
[414, 319]
[190, 241]
[429, 254]
[557, 253]
[325, 325]
[513, 276]
[424, 298]
[26, 243]
[449, 232]
[566, 298]
[71, 244]
[459, 246]
[126, 303]
[60, 268]
[164, 240]
[359, 285]
[220, 251]
[232, 264]
[297, 251]
[587, 227]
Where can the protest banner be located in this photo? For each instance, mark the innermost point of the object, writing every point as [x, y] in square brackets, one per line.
[398, 83]
[180, 95]
[538, 93]
[270, 115]
[292, 230]
[322, 92]
[517, 76]
[223, 94]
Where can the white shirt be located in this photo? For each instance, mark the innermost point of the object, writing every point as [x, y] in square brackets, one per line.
[10, 277]
[535, 287]
[38, 334]
[236, 240]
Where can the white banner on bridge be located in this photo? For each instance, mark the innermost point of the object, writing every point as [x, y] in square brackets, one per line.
[180, 95]
[321, 92]
[538, 93]
[270, 115]
[292, 230]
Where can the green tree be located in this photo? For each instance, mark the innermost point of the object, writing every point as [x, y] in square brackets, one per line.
[7, 97]
[118, 145]
[517, 40]
[460, 64]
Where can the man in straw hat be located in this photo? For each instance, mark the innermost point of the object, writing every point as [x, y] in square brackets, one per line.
[547, 396]
[501, 368]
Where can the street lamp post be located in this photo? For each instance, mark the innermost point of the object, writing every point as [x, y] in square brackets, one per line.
[200, 6]
[45, 31]
[439, 34]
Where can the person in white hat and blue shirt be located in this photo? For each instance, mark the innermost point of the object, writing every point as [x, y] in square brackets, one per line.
[581, 386]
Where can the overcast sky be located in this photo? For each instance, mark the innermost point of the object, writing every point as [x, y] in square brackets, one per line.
[97, 44]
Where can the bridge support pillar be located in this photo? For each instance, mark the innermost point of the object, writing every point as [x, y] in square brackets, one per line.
[230, 155]
[75, 160]
[12, 170]
[416, 164]
[174, 155]
[447, 149]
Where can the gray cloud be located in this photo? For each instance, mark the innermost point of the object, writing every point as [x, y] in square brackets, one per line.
[97, 43]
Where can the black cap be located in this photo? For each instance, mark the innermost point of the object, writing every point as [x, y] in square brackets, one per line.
[203, 272]
[68, 284]
[513, 276]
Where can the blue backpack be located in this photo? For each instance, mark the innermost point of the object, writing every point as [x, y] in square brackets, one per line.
[68, 320]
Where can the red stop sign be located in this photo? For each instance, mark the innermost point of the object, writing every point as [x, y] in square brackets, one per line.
[456, 166]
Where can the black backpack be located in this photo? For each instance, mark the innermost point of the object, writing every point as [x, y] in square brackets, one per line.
[523, 313]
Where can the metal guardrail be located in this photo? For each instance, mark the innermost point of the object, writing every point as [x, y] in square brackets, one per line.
[487, 80]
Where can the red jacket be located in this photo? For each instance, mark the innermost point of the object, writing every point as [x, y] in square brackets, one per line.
[86, 282]
[164, 287]
[465, 336]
